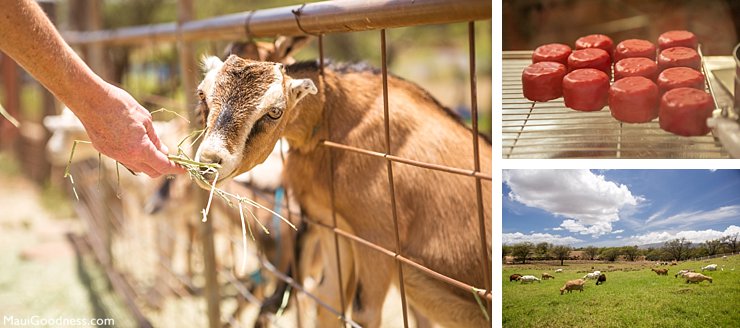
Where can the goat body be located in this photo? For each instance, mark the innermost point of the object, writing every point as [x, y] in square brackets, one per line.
[436, 212]
[573, 285]
[695, 278]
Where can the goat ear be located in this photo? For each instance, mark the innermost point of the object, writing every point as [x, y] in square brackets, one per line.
[284, 48]
[211, 63]
[299, 88]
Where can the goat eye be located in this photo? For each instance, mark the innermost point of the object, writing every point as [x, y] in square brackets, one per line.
[275, 113]
[201, 95]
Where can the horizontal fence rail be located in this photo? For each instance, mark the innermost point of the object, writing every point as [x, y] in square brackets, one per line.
[312, 18]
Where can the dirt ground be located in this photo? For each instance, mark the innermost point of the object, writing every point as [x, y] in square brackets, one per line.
[40, 274]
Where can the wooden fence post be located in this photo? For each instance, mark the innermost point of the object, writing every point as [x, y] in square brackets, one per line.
[188, 71]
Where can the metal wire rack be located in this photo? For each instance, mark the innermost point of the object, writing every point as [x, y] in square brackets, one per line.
[552, 130]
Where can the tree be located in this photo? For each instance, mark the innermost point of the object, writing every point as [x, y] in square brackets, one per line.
[654, 254]
[610, 254]
[521, 251]
[560, 252]
[631, 252]
[677, 249]
[541, 249]
[591, 252]
[713, 246]
[731, 242]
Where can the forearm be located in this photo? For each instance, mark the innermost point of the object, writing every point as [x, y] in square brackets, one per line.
[27, 35]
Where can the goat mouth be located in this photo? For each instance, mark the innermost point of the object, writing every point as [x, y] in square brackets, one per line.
[207, 182]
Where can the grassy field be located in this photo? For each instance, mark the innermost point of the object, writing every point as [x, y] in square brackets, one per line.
[628, 298]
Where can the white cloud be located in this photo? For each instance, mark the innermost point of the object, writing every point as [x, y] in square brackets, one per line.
[588, 202]
[690, 235]
[688, 218]
[518, 237]
[619, 237]
[557, 228]
[618, 231]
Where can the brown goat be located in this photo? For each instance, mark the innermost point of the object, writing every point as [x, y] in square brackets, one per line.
[249, 105]
[659, 272]
[573, 285]
[514, 277]
[546, 276]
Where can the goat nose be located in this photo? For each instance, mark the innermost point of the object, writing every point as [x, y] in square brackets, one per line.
[209, 157]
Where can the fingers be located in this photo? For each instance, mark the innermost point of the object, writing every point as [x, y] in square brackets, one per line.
[157, 161]
[152, 134]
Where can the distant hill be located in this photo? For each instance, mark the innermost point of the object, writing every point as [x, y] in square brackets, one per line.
[659, 245]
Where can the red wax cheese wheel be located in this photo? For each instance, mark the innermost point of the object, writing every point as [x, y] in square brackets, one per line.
[634, 99]
[679, 57]
[672, 39]
[553, 52]
[684, 111]
[590, 58]
[543, 81]
[586, 89]
[634, 48]
[637, 66]
[680, 77]
[599, 41]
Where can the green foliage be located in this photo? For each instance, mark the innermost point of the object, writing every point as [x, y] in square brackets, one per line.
[678, 249]
[627, 299]
[611, 253]
[560, 252]
[541, 249]
[522, 251]
[630, 252]
[590, 252]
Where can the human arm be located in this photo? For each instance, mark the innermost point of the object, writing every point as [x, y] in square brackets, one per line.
[117, 125]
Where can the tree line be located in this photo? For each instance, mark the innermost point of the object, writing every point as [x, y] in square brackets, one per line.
[673, 250]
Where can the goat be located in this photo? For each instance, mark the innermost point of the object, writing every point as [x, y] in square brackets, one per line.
[558, 270]
[601, 279]
[659, 272]
[248, 105]
[514, 277]
[682, 273]
[573, 285]
[592, 275]
[695, 278]
[528, 278]
[711, 267]
[546, 276]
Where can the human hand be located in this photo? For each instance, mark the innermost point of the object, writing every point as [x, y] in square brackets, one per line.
[122, 129]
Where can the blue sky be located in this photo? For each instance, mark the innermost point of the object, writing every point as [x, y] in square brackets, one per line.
[619, 207]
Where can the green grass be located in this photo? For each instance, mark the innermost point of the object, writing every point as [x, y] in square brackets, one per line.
[627, 299]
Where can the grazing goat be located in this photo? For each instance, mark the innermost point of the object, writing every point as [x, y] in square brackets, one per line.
[528, 278]
[546, 276]
[695, 278]
[592, 275]
[514, 277]
[558, 270]
[573, 285]
[601, 279]
[659, 272]
[682, 273]
[248, 105]
[711, 267]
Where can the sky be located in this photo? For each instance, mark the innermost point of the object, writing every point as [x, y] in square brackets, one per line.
[619, 207]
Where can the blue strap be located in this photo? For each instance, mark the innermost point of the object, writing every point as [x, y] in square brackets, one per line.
[279, 195]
